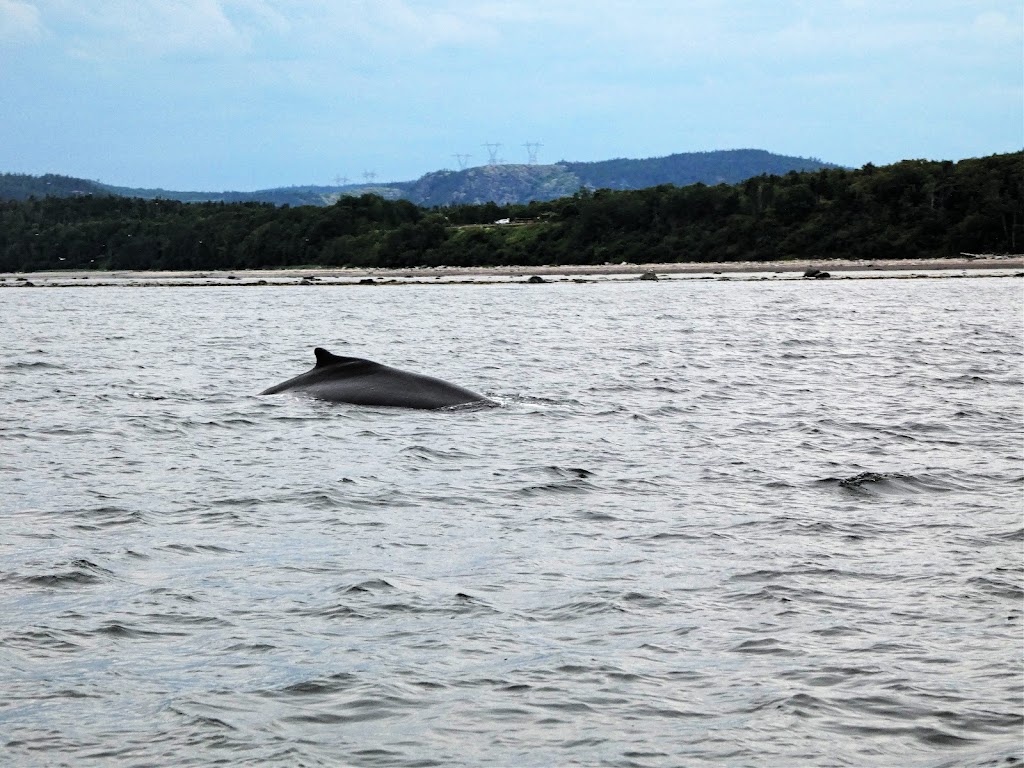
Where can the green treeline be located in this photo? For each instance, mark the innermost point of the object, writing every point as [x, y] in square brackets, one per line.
[912, 209]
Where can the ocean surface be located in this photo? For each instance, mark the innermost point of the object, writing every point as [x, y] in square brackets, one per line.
[712, 523]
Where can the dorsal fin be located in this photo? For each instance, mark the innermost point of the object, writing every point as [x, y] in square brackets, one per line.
[323, 357]
[352, 365]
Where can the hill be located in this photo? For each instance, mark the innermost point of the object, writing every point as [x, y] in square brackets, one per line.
[501, 184]
[20, 186]
[912, 209]
[300, 195]
[510, 184]
[729, 166]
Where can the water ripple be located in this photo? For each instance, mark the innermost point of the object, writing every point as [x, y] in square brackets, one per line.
[713, 523]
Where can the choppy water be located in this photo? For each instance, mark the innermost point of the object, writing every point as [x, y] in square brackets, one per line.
[715, 523]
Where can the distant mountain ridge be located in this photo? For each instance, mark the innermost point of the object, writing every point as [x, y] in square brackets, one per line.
[299, 195]
[501, 184]
[21, 186]
[505, 184]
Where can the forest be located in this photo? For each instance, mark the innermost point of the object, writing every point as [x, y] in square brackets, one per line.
[911, 209]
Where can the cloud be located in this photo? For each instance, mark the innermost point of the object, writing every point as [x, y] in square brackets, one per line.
[389, 21]
[995, 27]
[398, 28]
[112, 30]
[19, 21]
[657, 32]
[342, 31]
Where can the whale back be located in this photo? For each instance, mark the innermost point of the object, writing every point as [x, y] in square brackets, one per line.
[364, 382]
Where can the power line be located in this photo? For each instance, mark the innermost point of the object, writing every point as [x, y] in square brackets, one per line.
[531, 150]
[492, 152]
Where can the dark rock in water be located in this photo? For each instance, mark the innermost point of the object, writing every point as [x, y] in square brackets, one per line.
[822, 276]
[648, 276]
[261, 282]
[812, 272]
[28, 284]
[367, 281]
[536, 279]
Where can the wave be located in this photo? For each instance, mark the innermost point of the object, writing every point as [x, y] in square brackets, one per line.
[30, 364]
[79, 573]
[896, 483]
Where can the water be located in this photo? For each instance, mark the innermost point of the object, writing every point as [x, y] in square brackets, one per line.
[715, 523]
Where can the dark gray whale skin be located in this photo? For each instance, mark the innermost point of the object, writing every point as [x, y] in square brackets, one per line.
[364, 382]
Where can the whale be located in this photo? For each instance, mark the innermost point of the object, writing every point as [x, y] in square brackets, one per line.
[363, 382]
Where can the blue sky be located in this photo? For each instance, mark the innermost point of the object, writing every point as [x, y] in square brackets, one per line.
[248, 94]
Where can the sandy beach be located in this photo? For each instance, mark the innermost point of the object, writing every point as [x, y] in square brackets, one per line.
[973, 266]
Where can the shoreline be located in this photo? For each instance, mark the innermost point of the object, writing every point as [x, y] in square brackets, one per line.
[966, 265]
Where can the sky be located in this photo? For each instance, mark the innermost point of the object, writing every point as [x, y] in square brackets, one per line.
[250, 94]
